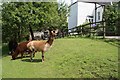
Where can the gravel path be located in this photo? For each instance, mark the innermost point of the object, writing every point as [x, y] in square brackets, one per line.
[113, 37]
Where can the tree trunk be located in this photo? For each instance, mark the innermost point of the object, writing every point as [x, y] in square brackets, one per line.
[31, 32]
[19, 33]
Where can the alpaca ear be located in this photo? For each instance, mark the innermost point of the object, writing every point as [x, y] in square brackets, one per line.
[51, 31]
[56, 31]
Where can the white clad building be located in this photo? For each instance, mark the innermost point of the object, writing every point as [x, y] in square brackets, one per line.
[80, 12]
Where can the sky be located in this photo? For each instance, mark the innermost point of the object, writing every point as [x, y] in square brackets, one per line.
[68, 2]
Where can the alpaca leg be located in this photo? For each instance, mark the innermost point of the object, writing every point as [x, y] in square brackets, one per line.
[21, 55]
[31, 56]
[42, 56]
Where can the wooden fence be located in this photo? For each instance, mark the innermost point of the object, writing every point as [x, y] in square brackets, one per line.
[95, 28]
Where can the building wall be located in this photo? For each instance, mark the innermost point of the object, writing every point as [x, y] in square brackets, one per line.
[100, 9]
[84, 9]
[72, 19]
[79, 12]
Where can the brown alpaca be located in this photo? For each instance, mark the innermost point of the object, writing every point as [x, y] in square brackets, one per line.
[41, 46]
[21, 48]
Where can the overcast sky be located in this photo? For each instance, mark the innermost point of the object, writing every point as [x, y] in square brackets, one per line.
[66, 1]
[69, 1]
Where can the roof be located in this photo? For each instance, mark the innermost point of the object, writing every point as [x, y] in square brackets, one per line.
[101, 2]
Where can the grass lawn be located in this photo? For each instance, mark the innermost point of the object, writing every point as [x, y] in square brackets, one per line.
[68, 58]
[0, 61]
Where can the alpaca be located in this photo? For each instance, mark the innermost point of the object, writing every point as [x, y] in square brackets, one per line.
[41, 46]
[21, 48]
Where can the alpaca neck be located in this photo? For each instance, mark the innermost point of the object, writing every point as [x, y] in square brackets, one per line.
[50, 40]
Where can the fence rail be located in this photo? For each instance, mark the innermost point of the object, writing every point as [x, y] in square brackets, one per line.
[89, 29]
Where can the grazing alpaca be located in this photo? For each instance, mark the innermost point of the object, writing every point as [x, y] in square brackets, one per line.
[42, 46]
[21, 48]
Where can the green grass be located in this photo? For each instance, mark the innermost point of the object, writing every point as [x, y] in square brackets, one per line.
[68, 58]
[0, 61]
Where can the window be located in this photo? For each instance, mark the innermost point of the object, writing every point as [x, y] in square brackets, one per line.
[98, 15]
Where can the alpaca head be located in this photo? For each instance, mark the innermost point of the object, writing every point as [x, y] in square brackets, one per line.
[14, 54]
[53, 33]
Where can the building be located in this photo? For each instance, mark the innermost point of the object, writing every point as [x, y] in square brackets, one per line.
[82, 12]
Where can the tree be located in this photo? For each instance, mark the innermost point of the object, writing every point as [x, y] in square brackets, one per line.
[63, 12]
[21, 18]
[111, 16]
[9, 25]
[118, 20]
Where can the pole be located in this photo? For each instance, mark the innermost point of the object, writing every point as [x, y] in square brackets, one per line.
[104, 23]
[95, 12]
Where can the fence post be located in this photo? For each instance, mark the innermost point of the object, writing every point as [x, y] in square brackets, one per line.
[81, 32]
[91, 29]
